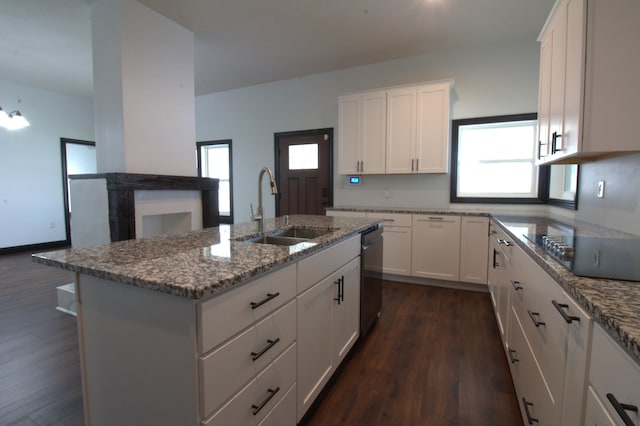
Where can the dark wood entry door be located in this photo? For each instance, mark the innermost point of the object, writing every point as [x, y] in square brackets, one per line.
[304, 172]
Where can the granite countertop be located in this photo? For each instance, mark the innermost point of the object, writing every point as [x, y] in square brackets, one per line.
[407, 210]
[613, 304]
[202, 263]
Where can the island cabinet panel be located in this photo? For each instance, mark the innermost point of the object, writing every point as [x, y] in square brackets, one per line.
[245, 355]
[137, 350]
[227, 314]
[328, 326]
[253, 402]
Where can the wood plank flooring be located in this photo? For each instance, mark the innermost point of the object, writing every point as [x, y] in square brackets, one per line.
[39, 359]
[433, 358]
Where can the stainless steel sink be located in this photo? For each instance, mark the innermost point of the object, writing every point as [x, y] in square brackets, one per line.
[288, 237]
[276, 240]
[305, 233]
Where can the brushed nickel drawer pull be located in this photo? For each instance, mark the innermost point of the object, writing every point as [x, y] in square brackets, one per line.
[257, 408]
[269, 345]
[270, 296]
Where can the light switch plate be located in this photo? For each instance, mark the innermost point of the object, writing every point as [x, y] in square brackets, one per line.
[601, 189]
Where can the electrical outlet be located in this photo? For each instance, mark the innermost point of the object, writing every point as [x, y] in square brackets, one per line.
[601, 189]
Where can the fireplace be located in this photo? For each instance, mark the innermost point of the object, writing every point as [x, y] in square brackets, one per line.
[113, 207]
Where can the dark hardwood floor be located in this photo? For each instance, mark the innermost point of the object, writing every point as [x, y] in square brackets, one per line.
[433, 358]
[39, 359]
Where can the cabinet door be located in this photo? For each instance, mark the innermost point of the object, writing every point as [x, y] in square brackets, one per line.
[544, 94]
[596, 413]
[571, 140]
[401, 130]
[349, 134]
[435, 247]
[558, 40]
[432, 139]
[346, 311]
[474, 245]
[373, 130]
[315, 357]
[396, 251]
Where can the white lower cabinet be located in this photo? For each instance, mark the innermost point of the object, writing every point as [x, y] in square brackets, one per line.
[328, 326]
[614, 384]
[397, 242]
[546, 336]
[435, 247]
[474, 246]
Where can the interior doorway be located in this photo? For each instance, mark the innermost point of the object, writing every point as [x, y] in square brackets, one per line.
[304, 171]
[78, 158]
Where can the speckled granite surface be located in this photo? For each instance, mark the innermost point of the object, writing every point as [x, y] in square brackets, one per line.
[201, 263]
[613, 304]
[407, 210]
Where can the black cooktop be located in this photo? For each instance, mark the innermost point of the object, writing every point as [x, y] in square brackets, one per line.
[611, 258]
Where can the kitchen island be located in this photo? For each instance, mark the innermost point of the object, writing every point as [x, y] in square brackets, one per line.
[207, 327]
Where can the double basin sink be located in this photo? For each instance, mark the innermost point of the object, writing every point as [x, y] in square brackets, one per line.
[289, 237]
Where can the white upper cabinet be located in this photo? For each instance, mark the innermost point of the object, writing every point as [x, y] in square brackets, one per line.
[589, 61]
[395, 131]
[362, 132]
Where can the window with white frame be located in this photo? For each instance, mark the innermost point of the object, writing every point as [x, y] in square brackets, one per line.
[493, 160]
[214, 161]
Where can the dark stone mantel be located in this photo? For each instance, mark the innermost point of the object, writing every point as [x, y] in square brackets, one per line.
[121, 187]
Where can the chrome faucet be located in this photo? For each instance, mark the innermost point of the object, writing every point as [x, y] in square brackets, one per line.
[259, 215]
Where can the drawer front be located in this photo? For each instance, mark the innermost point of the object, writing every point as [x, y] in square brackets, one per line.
[244, 356]
[537, 405]
[316, 267]
[261, 395]
[225, 315]
[532, 302]
[596, 413]
[284, 413]
[614, 372]
[393, 219]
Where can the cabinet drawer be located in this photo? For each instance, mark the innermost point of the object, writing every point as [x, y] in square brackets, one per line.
[284, 413]
[393, 219]
[596, 413]
[232, 365]
[264, 391]
[533, 304]
[614, 372]
[316, 267]
[225, 315]
[531, 388]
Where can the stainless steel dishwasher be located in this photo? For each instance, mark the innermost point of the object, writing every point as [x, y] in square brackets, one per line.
[370, 278]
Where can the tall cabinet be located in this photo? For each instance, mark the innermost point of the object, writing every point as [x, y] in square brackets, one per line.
[589, 61]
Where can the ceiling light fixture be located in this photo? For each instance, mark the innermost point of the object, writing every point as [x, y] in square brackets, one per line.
[12, 121]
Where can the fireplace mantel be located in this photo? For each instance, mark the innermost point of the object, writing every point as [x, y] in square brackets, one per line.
[121, 187]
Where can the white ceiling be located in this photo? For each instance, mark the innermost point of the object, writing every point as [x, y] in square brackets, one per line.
[47, 43]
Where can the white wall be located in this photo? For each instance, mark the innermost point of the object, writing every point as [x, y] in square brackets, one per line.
[491, 80]
[31, 197]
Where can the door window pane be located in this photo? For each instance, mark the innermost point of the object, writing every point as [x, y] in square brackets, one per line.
[303, 157]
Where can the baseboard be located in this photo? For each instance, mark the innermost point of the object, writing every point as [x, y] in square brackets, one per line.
[482, 288]
[35, 247]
